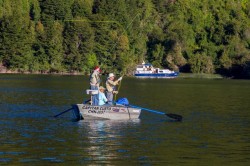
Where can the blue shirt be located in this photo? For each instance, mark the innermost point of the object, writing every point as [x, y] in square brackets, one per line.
[102, 98]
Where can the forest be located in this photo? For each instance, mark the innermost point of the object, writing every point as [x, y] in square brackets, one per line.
[190, 36]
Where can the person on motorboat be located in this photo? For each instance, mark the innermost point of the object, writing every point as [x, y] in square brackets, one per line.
[101, 96]
[95, 81]
[110, 85]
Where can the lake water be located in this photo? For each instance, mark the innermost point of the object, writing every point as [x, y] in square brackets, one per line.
[215, 129]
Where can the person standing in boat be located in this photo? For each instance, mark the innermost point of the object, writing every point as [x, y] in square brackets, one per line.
[110, 85]
[101, 96]
[95, 81]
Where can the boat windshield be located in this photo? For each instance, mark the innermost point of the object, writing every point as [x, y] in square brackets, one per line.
[139, 66]
[148, 64]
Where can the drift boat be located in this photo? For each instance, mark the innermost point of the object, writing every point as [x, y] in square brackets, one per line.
[121, 111]
[146, 70]
[115, 112]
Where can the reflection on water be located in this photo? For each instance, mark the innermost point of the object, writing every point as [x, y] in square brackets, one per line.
[102, 136]
[215, 129]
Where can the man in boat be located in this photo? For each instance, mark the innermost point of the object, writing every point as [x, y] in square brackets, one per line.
[95, 82]
[110, 85]
[101, 96]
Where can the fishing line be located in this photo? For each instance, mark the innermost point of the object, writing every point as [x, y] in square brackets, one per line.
[125, 30]
[108, 21]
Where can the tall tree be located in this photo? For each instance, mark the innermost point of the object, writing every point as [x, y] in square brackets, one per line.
[17, 36]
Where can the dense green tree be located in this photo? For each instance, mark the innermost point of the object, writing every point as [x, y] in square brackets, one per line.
[82, 8]
[17, 36]
[78, 44]
[35, 10]
[204, 36]
[41, 59]
[56, 10]
[54, 48]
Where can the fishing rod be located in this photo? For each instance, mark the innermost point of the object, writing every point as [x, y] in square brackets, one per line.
[110, 21]
[119, 87]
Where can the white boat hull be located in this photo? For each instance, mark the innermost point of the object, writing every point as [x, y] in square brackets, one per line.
[148, 71]
[105, 112]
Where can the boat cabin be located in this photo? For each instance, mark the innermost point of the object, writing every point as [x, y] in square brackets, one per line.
[148, 68]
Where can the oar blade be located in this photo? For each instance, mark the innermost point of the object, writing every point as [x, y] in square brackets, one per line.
[174, 116]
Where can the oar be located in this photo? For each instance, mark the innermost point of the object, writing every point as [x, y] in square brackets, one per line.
[173, 116]
[63, 112]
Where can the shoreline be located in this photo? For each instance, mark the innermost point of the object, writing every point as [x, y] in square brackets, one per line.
[40, 73]
[4, 70]
[202, 75]
[181, 75]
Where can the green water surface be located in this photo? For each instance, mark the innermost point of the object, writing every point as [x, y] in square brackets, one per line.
[215, 129]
